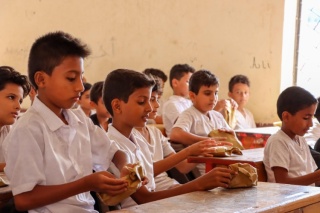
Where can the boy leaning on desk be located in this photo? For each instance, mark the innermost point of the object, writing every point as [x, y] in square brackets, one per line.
[51, 150]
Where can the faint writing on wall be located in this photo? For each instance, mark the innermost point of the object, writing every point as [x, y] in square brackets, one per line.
[259, 64]
[17, 51]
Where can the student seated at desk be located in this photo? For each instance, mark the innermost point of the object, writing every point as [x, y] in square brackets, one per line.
[179, 101]
[14, 87]
[127, 96]
[287, 157]
[51, 151]
[84, 99]
[195, 123]
[239, 90]
[163, 155]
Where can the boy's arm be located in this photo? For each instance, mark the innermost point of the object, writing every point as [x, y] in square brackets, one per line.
[2, 165]
[217, 177]
[281, 176]
[44, 195]
[183, 137]
[120, 159]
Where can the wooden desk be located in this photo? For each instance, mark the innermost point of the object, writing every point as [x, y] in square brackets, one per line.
[255, 137]
[266, 197]
[250, 156]
[5, 192]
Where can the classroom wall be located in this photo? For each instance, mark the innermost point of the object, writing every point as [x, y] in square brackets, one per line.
[226, 37]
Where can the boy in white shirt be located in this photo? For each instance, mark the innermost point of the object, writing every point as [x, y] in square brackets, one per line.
[129, 105]
[239, 90]
[14, 87]
[51, 151]
[179, 101]
[287, 157]
[195, 123]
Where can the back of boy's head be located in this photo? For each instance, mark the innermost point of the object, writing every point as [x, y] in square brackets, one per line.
[179, 70]
[96, 92]
[238, 79]
[294, 99]
[9, 75]
[87, 86]
[202, 78]
[156, 72]
[121, 83]
[50, 50]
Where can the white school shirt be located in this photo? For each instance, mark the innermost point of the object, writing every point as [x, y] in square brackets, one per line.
[159, 148]
[137, 150]
[172, 108]
[246, 121]
[195, 122]
[282, 151]
[3, 133]
[41, 150]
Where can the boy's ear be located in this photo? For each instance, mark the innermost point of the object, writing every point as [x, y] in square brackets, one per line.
[93, 104]
[285, 116]
[230, 94]
[39, 78]
[192, 95]
[116, 106]
[174, 83]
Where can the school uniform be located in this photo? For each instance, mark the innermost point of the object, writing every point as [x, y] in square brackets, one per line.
[293, 155]
[137, 150]
[4, 131]
[172, 108]
[42, 150]
[245, 121]
[195, 122]
[159, 148]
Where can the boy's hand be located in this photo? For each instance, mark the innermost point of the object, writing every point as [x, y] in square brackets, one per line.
[125, 171]
[217, 177]
[105, 182]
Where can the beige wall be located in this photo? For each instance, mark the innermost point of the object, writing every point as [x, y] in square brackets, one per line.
[224, 36]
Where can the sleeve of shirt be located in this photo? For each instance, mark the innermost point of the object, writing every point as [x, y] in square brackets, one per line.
[278, 154]
[103, 149]
[24, 155]
[170, 113]
[184, 121]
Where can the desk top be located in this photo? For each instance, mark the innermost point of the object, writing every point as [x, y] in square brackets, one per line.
[249, 155]
[260, 130]
[266, 197]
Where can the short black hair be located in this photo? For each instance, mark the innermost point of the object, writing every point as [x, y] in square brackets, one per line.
[179, 70]
[121, 83]
[238, 79]
[10, 75]
[156, 72]
[96, 91]
[202, 78]
[50, 50]
[317, 113]
[86, 86]
[294, 99]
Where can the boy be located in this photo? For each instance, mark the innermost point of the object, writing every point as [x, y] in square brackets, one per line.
[102, 117]
[129, 105]
[195, 123]
[51, 151]
[84, 99]
[14, 87]
[163, 155]
[162, 80]
[239, 90]
[287, 157]
[179, 101]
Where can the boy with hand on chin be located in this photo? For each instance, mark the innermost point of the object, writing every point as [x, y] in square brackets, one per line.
[14, 87]
[52, 150]
[287, 157]
[127, 95]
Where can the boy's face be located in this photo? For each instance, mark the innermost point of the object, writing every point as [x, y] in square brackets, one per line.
[101, 109]
[62, 89]
[84, 102]
[154, 104]
[136, 111]
[181, 87]
[206, 99]
[10, 98]
[240, 93]
[299, 123]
